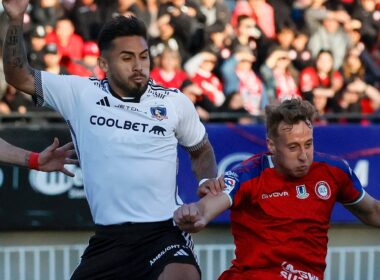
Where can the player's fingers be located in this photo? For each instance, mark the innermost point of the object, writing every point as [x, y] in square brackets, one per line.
[198, 225]
[67, 172]
[177, 216]
[68, 146]
[54, 145]
[193, 213]
[69, 153]
[222, 185]
[71, 161]
[203, 190]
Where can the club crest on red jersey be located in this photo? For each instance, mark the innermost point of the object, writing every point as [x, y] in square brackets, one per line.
[302, 192]
[323, 190]
[158, 112]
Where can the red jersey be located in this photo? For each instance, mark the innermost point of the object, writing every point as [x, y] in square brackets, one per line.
[174, 82]
[280, 225]
[310, 80]
[211, 86]
[73, 50]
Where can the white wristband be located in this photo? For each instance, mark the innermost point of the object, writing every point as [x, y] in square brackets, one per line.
[202, 181]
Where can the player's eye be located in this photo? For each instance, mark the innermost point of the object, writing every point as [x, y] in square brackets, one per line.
[126, 58]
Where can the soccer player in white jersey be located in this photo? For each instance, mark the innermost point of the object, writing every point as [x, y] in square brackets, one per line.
[125, 131]
[53, 158]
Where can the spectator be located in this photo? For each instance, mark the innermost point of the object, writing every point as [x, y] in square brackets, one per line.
[87, 19]
[249, 34]
[369, 16]
[167, 38]
[88, 66]
[320, 83]
[15, 101]
[372, 68]
[285, 37]
[187, 19]
[52, 58]
[215, 40]
[47, 13]
[278, 76]
[352, 67]
[283, 13]
[70, 44]
[215, 11]
[234, 106]
[358, 97]
[37, 43]
[168, 72]
[263, 12]
[238, 77]
[202, 103]
[204, 63]
[330, 36]
[299, 53]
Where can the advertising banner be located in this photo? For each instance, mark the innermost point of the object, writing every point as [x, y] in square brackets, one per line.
[39, 200]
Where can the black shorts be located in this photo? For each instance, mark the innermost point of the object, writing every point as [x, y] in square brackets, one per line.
[135, 251]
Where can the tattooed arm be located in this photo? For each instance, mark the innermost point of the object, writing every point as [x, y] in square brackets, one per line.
[16, 67]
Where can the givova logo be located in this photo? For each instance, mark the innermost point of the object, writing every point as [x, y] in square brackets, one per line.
[57, 183]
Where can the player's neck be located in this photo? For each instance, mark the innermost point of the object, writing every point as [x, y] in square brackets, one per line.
[123, 95]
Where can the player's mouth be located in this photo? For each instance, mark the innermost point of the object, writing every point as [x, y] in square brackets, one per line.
[302, 169]
[138, 79]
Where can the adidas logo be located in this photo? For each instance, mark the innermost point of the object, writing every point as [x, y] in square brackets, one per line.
[103, 102]
[181, 252]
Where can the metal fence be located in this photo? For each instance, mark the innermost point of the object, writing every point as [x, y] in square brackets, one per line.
[57, 262]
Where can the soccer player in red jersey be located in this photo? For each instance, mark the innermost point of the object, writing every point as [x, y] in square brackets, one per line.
[281, 201]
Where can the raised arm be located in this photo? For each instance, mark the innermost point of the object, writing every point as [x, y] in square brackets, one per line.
[53, 158]
[367, 210]
[204, 166]
[195, 216]
[17, 70]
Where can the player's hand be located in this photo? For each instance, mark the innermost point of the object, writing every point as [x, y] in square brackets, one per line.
[214, 186]
[15, 9]
[189, 218]
[54, 158]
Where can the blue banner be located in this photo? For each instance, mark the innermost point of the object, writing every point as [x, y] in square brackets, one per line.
[31, 199]
[359, 145]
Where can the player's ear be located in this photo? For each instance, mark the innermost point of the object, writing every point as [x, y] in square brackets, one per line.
[270, 145]
[103, 64]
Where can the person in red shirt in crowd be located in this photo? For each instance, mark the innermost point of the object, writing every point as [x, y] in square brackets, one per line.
[260, 11]
[203, 64]
[70, 45]
[88, 66]
[319, 84]
[168, 72]
[281, 201]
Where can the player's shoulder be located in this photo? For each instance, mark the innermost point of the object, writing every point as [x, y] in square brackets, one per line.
[158, 91]
[331, 160]
[252, 167]
[74, 81]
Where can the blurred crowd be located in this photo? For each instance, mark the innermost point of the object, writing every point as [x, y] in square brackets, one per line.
[226, 56]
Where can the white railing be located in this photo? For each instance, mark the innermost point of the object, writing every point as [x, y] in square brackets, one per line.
[57, 262]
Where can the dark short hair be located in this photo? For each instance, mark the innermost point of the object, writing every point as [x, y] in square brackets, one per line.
[120, 26]
[290, 111]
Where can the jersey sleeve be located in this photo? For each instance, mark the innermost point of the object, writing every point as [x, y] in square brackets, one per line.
[56, 92]
[350, 191]
[190, 131]
[236, 192]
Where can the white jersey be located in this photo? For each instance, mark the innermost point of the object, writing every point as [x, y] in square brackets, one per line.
[127, 150]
